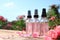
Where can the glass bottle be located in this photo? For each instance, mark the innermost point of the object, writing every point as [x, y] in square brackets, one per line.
[29, 23]
[36, 25]
[44, 22]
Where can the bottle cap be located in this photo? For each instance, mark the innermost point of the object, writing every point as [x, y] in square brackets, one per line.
[44, 13]
[29, 14]
[36, 14]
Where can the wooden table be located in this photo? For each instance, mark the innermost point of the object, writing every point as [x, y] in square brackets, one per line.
[12, 35]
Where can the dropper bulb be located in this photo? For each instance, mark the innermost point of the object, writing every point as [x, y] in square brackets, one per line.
[29, 14]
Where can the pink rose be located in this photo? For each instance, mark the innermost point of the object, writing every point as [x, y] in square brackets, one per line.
[52, 34]
[47, 38]
[52, 18]
[19, 33]
[57, 29]
[21, 16]
[4, 19]
[1, 17]
[35, 35]
[25, 35]
[9, 25]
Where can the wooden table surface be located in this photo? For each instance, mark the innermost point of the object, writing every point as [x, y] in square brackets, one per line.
[12, 35]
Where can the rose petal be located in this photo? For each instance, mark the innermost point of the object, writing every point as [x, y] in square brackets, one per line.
[57, 29]
[35, 35]
[52, 33]
[47, 38]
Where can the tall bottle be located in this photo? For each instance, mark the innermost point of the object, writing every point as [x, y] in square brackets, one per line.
[29, 23]
[44, 22]
[36, 25]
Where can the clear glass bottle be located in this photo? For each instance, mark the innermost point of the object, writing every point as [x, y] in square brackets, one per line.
[36, 25]
[44, 22]
[29, 23]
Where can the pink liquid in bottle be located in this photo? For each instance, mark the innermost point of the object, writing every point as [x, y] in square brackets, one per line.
[29, 27]
[44, 22]
[36, 27]
[44, 26]
[29, 23]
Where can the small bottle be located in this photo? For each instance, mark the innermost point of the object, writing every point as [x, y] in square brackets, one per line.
[36, 25]
[44, 23]
[29, 23]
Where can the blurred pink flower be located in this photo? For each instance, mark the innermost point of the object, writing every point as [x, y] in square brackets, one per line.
[57, 29]
[21, 16]
[52, 34]
[47, 38]
[52, 18]
[9, 24]
[19, 33]
[25, 35]
[4, 19]
[1, 17]
[35, 35]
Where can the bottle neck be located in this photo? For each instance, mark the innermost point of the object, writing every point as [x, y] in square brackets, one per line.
[44, 19]
[36, 20]
[28, 18]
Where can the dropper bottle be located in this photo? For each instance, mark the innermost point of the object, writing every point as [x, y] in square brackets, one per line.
[36, 25]
[44, 22]
[29, 23]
